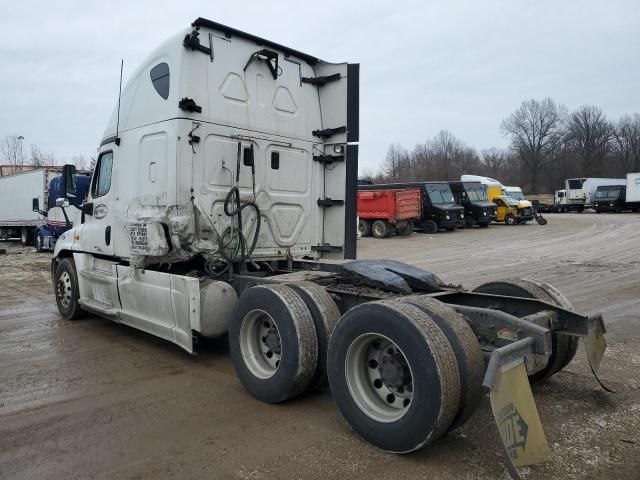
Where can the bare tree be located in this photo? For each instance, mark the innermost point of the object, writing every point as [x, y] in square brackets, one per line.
[396, 163]
[40, 158]
[589, 136]
[447, 150]
[535, 129]
[79, 161]
[11, 148]
[92, 163]
[627, 140]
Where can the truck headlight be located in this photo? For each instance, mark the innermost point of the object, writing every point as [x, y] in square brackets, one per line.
[484, 213]
[447, 217]
[611, 204]
[462, 215]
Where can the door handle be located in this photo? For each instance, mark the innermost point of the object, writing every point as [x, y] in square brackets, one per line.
[107, 235]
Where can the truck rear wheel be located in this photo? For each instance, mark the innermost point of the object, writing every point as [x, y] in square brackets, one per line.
[563, 347]
[325, 314]
[393, 375]
[273, 343]
[364, 227]
[381, 229]
[65, 284]
[466, 348]
[509, 219]
[406, 229]
[429, 226]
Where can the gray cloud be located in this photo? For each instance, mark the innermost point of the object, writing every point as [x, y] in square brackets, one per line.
[425, 66]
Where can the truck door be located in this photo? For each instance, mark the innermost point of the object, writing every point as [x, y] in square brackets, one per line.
[97, 233]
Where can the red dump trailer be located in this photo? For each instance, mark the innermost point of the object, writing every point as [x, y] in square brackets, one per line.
[385, 212]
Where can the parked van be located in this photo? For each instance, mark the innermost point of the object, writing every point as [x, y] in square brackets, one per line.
[473, 197]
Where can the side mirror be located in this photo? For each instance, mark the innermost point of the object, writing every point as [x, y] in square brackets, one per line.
[62, 202]
[69, 178]
[35, 205]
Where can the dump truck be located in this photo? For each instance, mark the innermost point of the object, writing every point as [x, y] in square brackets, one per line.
[509, 210]
[581, 192]
[223, 201]
[473, 197]
[383, 213]
[17, 217]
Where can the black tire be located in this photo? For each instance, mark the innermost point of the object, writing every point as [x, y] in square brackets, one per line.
[467, 350]
[407, 229]
[364, 227]
[381, 229]
[26, 236]
[429, 226]
[469, 222]
[434, 377]
[295, 343]
[65, 287]
[563, 347]
[509, 219]
[38, 243]
[325, 314]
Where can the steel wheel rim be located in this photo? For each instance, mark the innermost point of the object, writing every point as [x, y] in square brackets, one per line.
[260, 344]
[379, 377]
[64, 289]
[378, 229]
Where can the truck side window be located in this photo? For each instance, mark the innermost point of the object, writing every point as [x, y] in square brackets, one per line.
[160, 79]
[102, 178]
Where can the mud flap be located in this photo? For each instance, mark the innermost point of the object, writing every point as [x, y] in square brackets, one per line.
[513, 406]
[595, 344]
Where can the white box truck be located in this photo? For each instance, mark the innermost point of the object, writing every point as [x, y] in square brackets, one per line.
[581, 192]
[17, 191]
[216, 201]
[632, 197]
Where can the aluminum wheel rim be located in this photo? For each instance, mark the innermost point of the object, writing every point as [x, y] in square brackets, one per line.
[64, 289]
[379, 377]
[260, 344]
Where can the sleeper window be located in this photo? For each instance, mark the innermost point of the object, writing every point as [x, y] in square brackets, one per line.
[160, 79]
[102, 180]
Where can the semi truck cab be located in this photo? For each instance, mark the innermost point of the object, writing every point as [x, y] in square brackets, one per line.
[473, 197]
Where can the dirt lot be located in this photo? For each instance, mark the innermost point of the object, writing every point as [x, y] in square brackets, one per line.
[93, 399]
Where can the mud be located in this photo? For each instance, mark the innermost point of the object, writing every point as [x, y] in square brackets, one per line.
[93, 399]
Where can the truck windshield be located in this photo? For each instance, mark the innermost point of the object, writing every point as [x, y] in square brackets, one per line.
[440, 196]
[608, 193]
[516, 195]
[477, 194]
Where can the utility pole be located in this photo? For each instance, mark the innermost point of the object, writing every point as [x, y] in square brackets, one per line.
[21, 138]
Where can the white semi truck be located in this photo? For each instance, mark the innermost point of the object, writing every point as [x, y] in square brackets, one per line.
[17, 191]
[581, 192]
[224, 201]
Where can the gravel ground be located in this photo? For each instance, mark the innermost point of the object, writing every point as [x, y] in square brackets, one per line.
[94, 399]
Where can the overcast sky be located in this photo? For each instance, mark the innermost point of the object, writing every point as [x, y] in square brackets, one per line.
[425, 66]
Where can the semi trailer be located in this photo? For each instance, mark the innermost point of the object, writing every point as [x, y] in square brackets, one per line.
[228, 206]
[383, 213]
[632, 192]
[17, 217]
[473, 198]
